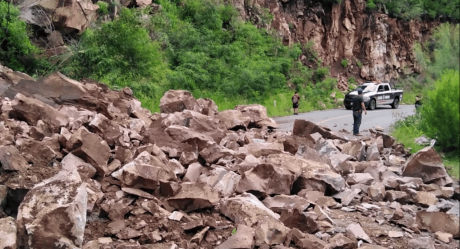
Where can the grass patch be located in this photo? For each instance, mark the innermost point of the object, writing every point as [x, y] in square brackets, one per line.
[452, 164]
[406, 132]
[406, 135]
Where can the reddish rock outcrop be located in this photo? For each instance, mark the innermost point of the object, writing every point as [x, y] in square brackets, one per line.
[344, 30]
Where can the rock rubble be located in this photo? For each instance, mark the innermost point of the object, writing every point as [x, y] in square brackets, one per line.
[93, 169]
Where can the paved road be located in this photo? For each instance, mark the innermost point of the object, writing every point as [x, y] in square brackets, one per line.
[339, 119]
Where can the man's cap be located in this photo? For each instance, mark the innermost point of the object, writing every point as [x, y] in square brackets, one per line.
[360, 91]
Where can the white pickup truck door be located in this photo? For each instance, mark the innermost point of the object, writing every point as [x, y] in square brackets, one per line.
[384, 95]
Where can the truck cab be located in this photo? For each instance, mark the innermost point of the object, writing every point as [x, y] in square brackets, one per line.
[375, 94]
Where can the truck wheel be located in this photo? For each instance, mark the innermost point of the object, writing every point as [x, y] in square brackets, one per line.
[372, 105]
[348, 107]
[395, 104]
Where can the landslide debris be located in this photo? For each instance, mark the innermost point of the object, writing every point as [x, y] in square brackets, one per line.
[90, 168]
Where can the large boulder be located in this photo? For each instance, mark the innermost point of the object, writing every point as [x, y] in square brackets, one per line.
[73, 16]
[215, 152]
[208, 106]
[189, 136]
[295, 218]
[319, 177]
[257, 115]
[38, 152]
[8, 230]
[177, 101]
[246, 209]
[267, 179]
[146, 171]
[91, 148]
[156, 134]
[33, 110]
[356, 149]
[234, 119]
[208, 125]
[194, 196]
[304, 128]
[438, 222]
[11, 159]
[71, 162]
[222, 180]
[426, 164]
[373, 153]
[53, 212]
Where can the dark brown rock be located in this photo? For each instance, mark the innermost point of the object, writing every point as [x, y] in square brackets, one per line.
[57, 204]
[33, 110]
[11, 159]
[194, 196]
[438, 222]
[426, 164]
[144, 172]
[91, 148]
[177, 101]
[295, 218]
[266, 179]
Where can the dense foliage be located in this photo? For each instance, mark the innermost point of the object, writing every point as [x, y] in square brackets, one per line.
[410, 9]
[197, 45]
[441, 114]
[119, 53]
[438, 85]
[16, 50]
[439, 53]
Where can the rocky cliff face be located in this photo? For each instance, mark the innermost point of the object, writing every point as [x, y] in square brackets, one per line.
[345, 30]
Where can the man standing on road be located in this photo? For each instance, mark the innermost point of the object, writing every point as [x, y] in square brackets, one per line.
[295, 103]
[358, 107]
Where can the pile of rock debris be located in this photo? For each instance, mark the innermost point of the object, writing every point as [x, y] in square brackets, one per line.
[83, 166]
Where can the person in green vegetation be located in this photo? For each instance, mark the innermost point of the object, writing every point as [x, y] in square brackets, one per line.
[295, 103]
[418, 100]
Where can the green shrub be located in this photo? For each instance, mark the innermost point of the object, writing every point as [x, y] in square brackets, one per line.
[103, 8]
[120, 54]
[321, 73]
[359, 64]
[440, 114]
[344, 63]
[352, 81]
[371, 5]
[416, 9]
[16, 50]
[309, 51]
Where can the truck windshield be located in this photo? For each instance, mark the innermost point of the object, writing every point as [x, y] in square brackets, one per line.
[367, 88]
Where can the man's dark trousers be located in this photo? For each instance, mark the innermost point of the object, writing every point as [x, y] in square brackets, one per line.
[357, 122]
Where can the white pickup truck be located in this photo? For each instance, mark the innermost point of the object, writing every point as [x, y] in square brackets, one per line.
[374, 95]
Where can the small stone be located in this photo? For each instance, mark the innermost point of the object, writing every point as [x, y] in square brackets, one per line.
[199, 236]
[447, 192]
[395, 234]
[104, 240]
[358, 232]
[444, 237]
[177, 216]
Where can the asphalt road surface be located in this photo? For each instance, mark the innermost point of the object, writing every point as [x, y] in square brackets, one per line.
[339, 119]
